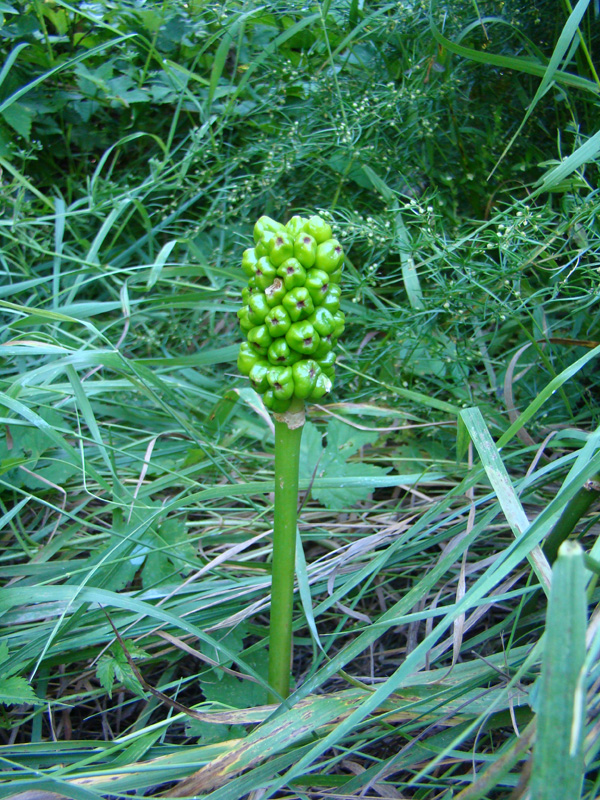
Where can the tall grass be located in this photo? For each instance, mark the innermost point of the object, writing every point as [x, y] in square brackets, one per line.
[138, 145]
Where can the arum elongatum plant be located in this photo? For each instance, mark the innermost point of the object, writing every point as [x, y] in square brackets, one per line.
[292, 320]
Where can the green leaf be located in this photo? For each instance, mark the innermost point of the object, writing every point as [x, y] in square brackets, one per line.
[233, 639]
[343, 441]
[157, 570]
[235, 692]
[19, 118]
[123, 89]
[57, 472]
[379, 184]
[311, 450]
[212, 732]
[117, 563]
[462, 439]
[346, 495]
[220, 58]
[353, 14]
[569, 31]
[519, 64]
[346, 440]
[134, 650]
[410, 276]
[557, 771]
[150, 19]
[64, 65]
[349, 169]
[10, 60]
[15, 691]
[584, 154]
[114, 666]
[223, 409]
[174, 532]
[58, 18]
[10, 662]
[105, 672]
[500, 480]
[30, 441]
[125, 675]
[160, 261]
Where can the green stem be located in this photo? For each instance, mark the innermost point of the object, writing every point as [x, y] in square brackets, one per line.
[287, 459]
[572, 513]
[42, 22]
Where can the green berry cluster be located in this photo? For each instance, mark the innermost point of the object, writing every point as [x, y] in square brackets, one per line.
[291, 315]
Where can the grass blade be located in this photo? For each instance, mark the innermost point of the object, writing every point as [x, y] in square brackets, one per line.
[582, 155]
[511, 62]
[558, 754]
[12, 57]
[501, 483]
[63, 66]
[567, 35]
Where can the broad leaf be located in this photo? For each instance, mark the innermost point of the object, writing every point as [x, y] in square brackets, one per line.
[343, 441]
[16, 691]
[236, 692]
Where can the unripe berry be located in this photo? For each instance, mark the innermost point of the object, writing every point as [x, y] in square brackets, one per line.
[291, 316]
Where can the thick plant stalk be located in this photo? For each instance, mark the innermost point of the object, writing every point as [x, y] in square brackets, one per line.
[573, 512]
[288, 433]
[292, 320]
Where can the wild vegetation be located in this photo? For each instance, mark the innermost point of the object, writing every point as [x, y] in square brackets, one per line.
[445, 644]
